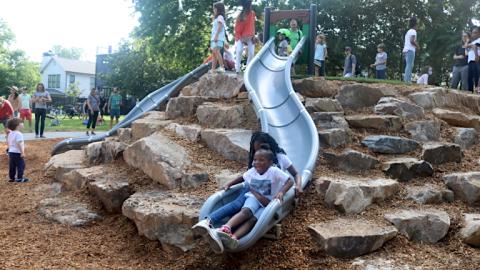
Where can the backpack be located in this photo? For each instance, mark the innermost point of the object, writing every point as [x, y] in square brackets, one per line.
[358, 66]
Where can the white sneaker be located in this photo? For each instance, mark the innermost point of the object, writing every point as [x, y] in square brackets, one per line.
[221, 70]
[204, 228]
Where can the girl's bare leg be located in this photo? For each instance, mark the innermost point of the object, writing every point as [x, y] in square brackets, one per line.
[239, 218]
[245, 228]
[219, 58]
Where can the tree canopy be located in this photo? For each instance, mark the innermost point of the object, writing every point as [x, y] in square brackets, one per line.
[69, 53]
[172, 40]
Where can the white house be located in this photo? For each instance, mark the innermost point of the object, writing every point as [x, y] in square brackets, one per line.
[58, 73]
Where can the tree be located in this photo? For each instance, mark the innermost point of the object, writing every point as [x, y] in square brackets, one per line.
[69, 53]
[73, 90]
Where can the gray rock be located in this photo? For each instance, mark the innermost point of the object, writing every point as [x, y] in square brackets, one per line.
[470, 233]
[329, 120]
[439, 153]
[183, 106]
[343, 238]
[425, 226]
[465, 186]
[149, 124]
[424, 131]
[300, 97]
[405, 169]
[335, 137]
[428, 194]
[190, 90]
[49, 190]
[93, 153]
[125, 135]
[315, 88]
[220, 116]
[193, 180]
[233, 144]
[104, 151]
[458, 119]
[404, 109]
[423, 99]
[111, 192]
[225, 176]
[357, 96]
[353, 195]
[446, 98]
[167, 217]
[61, 164]
[220, 85]
[158, 157]
[79, 178]
[323, 105]
[350, 161]
[66, 211]
[466, 137]
[381, 264]
[378, 122]
[389, 144]
[189, 132]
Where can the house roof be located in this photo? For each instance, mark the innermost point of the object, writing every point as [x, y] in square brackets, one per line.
[75, 66]
[55, 92]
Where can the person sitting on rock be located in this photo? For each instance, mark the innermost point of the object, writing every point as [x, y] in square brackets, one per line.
[265, 183]
[280, 160]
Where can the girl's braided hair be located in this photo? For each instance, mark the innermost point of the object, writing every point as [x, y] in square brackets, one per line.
[262, 137]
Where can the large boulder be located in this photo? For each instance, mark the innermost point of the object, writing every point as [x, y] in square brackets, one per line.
[353, 195]
[158, 157]
[405, 169]
[226, 176]
[233, 144]
[111, 192]
[167, 217]
[193, 179]
[350, 161]
[189, 132]
[424, 131]
[183, 106]
[439, 153]
[66, 211]
[125, 135]
[445, 98]
[215, 115]
[61, 164]
[389, 144]
[470, 233]
[357, 96]
[49, 190]
[149, 124]
[425, 226]
[465, 186]
[348, 238]
[429, 194]
[334, 137]
[315, 88]
[395, 106]
[219, 85]
[79, 178]
[328, 120]
[104, 152]
[466, 137]
[378, 122]
[458, 119]
[323, 105]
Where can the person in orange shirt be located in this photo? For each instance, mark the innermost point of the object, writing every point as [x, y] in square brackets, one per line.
[244, 33]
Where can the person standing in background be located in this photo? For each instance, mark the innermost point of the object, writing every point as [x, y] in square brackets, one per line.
[6, 112]
[244, 34]
[350, 64]
[409, 49]
[320, 55]
[93, 104]
[113, 105]
[26, 107]
[473, 49]
[40, 99]
[460, 65]
[380, 62]
[15, 100]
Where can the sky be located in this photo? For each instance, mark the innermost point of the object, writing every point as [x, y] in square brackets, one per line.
[87, 24]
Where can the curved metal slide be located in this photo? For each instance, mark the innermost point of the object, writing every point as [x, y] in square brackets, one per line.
[283, 116]
[149, 103]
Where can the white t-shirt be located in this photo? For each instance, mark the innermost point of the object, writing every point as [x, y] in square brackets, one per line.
[15, 139]
[267, 184]
[471, 51]
[408, 45]
[423, 79]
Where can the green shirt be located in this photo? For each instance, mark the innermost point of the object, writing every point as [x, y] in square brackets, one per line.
[294, 37]
[115, 101]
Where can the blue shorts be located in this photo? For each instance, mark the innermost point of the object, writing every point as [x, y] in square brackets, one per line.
[254, 205]
[216, 45]
[115, 113]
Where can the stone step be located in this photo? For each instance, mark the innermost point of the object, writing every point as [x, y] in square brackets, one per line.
[67, 211]
[389, 144]
[439, 153]
[61, 164]
[350, 161]
[111, 192]
[376, 122]
[429, 194]
[405, 169]
[470, 233]
[152, 122]
[214, 115]
[465, 186]
[402, 108]
[233, 144]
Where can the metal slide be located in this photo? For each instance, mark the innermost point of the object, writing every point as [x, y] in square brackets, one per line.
[149, 103]
[283, 116]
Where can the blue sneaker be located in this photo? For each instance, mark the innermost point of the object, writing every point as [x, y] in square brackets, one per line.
[22, 180]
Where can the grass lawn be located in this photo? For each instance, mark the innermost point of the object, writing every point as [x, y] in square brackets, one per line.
[68, 124]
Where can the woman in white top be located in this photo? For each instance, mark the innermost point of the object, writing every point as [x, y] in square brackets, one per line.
[409, 48]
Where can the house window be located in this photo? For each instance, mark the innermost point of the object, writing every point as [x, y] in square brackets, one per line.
[72, 78]
[54, 81]
[92, 82]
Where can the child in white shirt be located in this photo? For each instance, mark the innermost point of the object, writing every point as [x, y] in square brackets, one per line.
[424, 77]
[16, 151]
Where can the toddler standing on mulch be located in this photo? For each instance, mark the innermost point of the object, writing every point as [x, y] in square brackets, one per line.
[16, 151]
